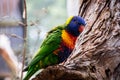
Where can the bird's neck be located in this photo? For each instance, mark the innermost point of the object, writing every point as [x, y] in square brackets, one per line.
[68, 39]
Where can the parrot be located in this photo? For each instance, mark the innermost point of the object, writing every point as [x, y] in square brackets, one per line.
[57, 46]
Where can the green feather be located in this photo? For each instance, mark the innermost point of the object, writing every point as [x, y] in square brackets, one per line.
[44, 56]
[31, 71]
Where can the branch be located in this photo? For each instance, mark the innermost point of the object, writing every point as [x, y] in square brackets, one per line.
[62, 73]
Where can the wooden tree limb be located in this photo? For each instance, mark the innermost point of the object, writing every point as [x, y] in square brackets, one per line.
[62, 73]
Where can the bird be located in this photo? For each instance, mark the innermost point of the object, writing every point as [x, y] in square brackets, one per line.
[57, 46]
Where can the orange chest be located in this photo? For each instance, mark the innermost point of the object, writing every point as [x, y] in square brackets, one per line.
[68, 39]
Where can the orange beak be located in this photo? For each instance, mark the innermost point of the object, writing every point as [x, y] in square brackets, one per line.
[81, 28]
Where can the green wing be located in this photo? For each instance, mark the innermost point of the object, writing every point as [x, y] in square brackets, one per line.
[61, 27]
[44, 56]
[50, 44]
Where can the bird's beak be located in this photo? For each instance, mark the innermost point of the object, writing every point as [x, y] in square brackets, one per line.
[81, 27]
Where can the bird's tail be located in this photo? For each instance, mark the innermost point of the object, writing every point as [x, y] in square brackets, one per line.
[30, 73]
[25, 69]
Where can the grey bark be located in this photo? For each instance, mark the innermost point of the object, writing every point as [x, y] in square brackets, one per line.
[97, 52]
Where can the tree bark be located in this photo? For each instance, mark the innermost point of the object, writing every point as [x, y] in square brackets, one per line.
[97, 52]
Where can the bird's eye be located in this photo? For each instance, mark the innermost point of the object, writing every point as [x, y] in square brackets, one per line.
[79, 23]
[74, 20]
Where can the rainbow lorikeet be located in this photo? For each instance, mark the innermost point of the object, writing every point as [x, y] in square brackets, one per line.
[57, 46]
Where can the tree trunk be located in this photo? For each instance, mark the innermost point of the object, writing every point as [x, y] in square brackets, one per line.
[97, 52]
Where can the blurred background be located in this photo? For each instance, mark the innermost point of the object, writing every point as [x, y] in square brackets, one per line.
[42, 16]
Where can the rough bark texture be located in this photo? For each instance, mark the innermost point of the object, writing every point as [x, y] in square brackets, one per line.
[97, 52]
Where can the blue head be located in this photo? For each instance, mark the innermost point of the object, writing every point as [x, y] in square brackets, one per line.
[75, 25]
